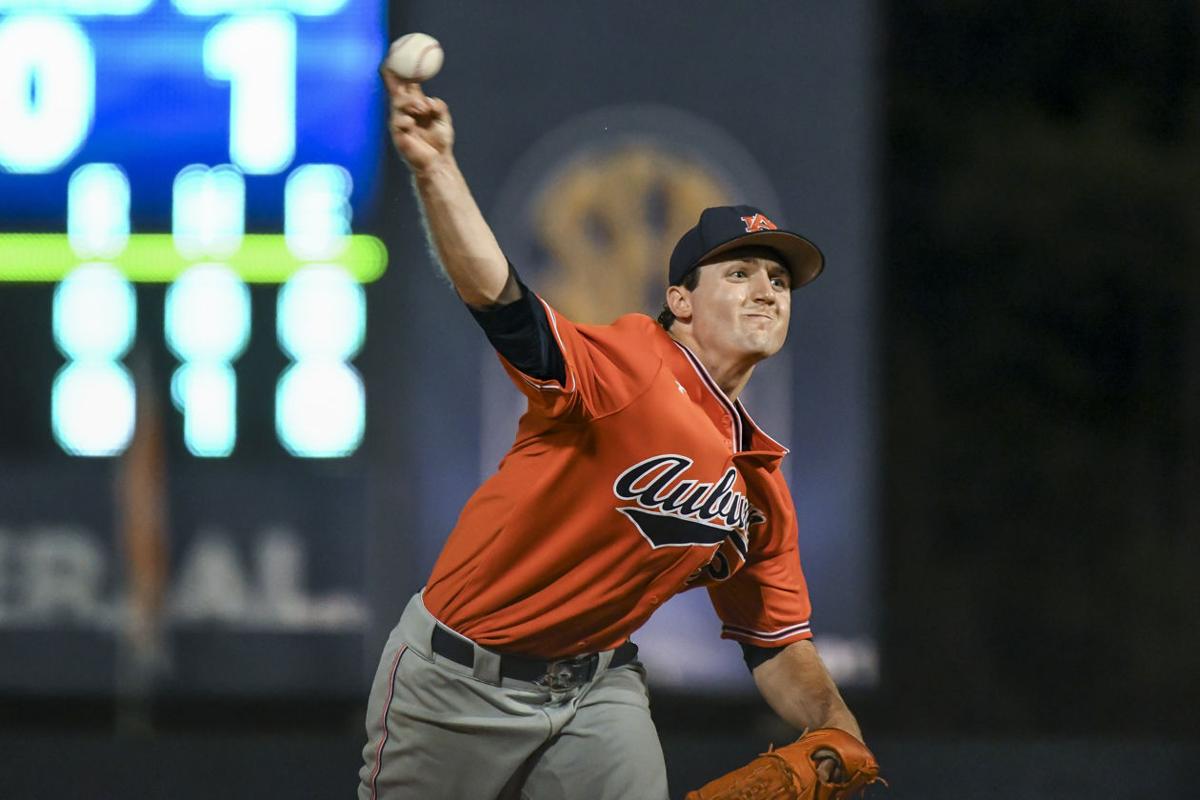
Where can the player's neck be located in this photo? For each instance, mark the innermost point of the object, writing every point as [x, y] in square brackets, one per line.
[732, 380]
[731, 373]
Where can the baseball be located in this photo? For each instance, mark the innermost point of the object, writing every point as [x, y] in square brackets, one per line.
[415, 57]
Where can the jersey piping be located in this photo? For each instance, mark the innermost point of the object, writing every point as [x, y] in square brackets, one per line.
[768, 636]
[718, 393]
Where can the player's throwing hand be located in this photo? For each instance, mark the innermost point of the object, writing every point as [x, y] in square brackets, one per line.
[420, 126]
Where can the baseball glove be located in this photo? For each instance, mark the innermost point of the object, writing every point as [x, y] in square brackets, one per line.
[790, 773]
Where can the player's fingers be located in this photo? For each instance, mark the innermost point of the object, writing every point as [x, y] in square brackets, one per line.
[390, 79]
[403, 122]
[413, 107]
[827, 770]
[415, 104]
[410, 89]
[398, 88]
[439, 106]
[405, 142]
[829, 766]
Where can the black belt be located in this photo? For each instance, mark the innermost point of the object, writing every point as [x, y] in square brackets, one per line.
[563, 673]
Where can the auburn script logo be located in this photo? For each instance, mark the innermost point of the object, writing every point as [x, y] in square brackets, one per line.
[673, 511]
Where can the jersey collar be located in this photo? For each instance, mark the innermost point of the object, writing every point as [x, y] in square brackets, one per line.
[693, 377]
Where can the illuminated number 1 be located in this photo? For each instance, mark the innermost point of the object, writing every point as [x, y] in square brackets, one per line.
[256, 53]
[207, 326]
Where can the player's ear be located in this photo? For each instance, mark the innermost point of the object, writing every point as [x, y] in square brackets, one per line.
[679, 300]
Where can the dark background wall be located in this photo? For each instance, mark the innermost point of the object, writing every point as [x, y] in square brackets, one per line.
[1042, 346]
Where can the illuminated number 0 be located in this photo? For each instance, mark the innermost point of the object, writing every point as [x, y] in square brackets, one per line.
[47, 91]
[92, 402]
[256, 53]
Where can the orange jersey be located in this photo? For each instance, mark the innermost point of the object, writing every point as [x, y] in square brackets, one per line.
[634, 479]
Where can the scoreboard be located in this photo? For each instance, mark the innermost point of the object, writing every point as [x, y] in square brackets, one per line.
[186, 189]
[209, 147]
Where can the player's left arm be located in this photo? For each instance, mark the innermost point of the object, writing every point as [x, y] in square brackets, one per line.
[796, 684]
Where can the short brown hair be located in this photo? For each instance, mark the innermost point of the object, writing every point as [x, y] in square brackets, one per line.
[690, 281]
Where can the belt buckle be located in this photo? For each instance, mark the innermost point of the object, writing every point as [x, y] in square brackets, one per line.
[566, 674]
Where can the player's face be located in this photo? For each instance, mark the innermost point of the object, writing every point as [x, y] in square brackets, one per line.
[741, 306]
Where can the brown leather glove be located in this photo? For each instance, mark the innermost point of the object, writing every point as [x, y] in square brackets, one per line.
[790, 773]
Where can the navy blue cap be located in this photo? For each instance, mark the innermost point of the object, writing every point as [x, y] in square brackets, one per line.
[725, 228]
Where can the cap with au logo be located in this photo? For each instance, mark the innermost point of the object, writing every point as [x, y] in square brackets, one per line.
[724, 228]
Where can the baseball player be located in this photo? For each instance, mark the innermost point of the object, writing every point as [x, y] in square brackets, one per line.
[636, 473]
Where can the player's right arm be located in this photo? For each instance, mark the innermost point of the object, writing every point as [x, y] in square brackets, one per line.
[561, 370]
[423, 134]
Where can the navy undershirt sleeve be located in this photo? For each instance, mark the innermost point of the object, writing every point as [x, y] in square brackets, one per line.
[756, 656]
[520, 331]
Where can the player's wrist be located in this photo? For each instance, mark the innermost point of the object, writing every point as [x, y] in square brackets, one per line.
[441, 167]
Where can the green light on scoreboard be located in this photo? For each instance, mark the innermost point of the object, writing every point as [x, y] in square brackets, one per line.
[207, 260]
[320, 398]
[154, 258]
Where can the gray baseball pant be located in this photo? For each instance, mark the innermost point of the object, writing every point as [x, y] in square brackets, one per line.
[439, 729]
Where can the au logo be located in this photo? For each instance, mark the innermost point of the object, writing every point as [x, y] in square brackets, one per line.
[608, 222]
[758, 222]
